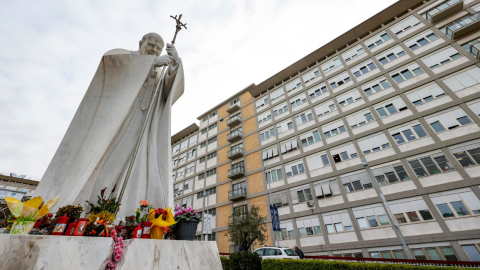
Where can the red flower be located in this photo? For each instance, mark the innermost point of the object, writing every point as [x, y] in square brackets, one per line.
[132, 218]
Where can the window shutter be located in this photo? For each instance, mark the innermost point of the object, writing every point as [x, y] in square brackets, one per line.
[346, 219]
[336, 218]
[408, 207]
[326, 188]
[265, 155]
[299, 224]
[379, 211]
[452, 198]
[283, 148]
[288, 146]
[471, 200]
[395, 208]
[293, 194]
[368, 212]
[358, 213]
[334, 186]
[294, 143]
[420, 204]
[275, 152]
[315, 221]
[318, 190]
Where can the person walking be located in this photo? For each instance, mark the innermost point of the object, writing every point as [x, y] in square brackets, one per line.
[299, 252]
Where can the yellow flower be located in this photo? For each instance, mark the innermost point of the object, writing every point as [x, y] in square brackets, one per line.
[159, 222]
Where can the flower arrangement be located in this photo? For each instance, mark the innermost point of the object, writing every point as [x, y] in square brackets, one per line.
[109, 204]
[161, 220]
[185, 214]
[118, 250]
[71, 211]
[26, 213]
[143, 209]
[44, 222]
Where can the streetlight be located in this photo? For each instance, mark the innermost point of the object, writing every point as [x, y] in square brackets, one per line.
[384, 202]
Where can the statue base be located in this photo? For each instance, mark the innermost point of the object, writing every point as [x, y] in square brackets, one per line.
[69, 252]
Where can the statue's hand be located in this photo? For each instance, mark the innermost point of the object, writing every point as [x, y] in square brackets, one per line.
[172, 51]
[163, 60]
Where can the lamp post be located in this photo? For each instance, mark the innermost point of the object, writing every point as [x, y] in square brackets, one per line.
[384, 202]
[270, 199]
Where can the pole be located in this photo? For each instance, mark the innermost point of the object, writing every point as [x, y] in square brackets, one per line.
[207, 220]
[270, 199]
[384, 202]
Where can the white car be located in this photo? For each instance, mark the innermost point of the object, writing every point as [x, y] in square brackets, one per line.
[276, 253]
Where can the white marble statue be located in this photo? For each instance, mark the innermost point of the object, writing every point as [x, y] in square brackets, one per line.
[98, 146]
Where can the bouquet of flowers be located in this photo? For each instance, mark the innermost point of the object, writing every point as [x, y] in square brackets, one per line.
[26, 213]
[105, 208]
[71, 211]
[142, 213]
[185, 214]
[161, 220]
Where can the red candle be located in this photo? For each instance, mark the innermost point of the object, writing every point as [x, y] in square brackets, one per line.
[80, 228]
[71, 228]
[61, 225]
[137, 233]
[146, 229]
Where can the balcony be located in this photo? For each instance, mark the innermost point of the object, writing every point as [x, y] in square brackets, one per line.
[475, 49]
[463, 26]
[235, 219]
[233, 121]
[235, 135]
[237, 194]
[236, 172]
[444, 10]
[233, 108]
[235, 153]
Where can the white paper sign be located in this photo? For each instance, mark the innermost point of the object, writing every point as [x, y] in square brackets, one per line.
[12, 194]
[207, 224]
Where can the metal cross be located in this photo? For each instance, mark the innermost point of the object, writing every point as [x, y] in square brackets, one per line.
[179, 26]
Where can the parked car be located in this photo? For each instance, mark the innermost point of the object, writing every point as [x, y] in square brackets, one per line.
[276, 253]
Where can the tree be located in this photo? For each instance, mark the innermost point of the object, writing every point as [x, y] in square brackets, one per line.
[244, 228]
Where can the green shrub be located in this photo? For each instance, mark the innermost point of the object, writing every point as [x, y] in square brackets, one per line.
[225, 263]
[276, 264]
[245, 260]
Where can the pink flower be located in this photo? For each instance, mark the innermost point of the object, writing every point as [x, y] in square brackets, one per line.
[178, 207]
[189, 209]
[118, 257]
[196, 211]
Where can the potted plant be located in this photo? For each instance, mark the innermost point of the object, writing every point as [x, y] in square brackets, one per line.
[187, 221]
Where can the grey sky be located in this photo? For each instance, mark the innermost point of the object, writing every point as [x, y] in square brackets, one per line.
[51, 49]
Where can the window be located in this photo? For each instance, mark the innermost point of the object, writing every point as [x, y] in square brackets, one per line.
[262, 118]
[286, 230]
[317, 91]
[356, 181]
[430, 164]
[410, 210]
[390, 107]
[205, 119]
[175, 148]
[201, 176]
[180, 171]
[308, 226]
[211, 155]
[448, 120]
[203, 144]
[421, 40]
[339, 80]
[464, 79]
[326, 188]
[270, 153]
[390, 174]
[408, 133]
[349, 98]
[213, 126]
[212, 140]
[331, 65]
[353, 53]
[334, 129]
[184, 144]
[284, 126]
[212, 237]
[387, 254]
[235, 101]
[428, 15]
[280, 199]
[371, 216]
[274, 174]
[263, 101]
[363, 68]
[375, 143]
[204, 131]
[359, 119]
[189, 184]
[303, 118]
[310, 138]
[209, 192]
[467, 154]
[301, 194]
[442, 57]
[475, 107]
[238, 165]
[456, 203]
[298, 100]
[267, 134]
[311, 75]
[213, 114]
[343, 153]
[278, 93]
[426, 94]
[472, 251]
[211, 172]
[190, 167]
[280, 109]
[174, 161]
[288, 146]
[459, 23]
[317, 161]
[192, 153]
[376, 86]
[178, 189]
[187, 202]
[294, 168]
[293, 85]
[201, 160]
[391, 55]
[325, 108]
[406, 73]
[182, 158]
[405, 25]
[473, 47]
[377, 40]
[335, 223]
[435, 253]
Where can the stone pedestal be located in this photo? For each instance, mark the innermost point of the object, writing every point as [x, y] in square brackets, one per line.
[87, 253]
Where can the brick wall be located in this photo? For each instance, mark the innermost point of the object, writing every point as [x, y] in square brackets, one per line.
[222, 192]
[222, 138]
[250, 125]
[245, 98]
[253, 161]
[222, 112]
[251, 142]
[222, 172]
[223, 155]
[268, 240]
[223, 213]
[222, 125]
[248, 111]
[223, 243]
[255, 183]
[261, 202]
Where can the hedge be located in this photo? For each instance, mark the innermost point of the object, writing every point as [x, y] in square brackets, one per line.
[276, 264]
[225, 263]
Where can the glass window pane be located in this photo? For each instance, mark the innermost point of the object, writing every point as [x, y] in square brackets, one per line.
[418, 253]
[437, 126]
[409, 135]
[472, 253]
[375, 254]
[400, 218]
[426, 215]
[448, 253]
[419, 131]
[372, 221]
[460, 208]
[399, 254]
[445, 210]
[383, 220]
[433, 254]
[362, 223]
[387, 255]
[330, 228]
[339, 227]
[413, 216]
[430, 165]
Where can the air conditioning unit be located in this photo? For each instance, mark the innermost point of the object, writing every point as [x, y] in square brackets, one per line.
[310, 204]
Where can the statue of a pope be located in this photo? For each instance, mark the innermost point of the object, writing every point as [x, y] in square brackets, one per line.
[99, 144]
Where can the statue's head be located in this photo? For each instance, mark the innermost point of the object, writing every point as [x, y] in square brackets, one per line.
[151, 44]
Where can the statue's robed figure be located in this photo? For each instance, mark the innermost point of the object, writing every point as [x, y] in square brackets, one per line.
[100, 142]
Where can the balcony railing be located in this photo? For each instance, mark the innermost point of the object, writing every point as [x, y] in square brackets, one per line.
[237, 194]
[463, 26]
[234, 121]
[234, 135]
[235, 219]
[235, 153]
[236, 172]
[444, 10]
[233, 108]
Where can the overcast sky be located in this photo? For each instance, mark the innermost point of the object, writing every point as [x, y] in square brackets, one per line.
[51, 49]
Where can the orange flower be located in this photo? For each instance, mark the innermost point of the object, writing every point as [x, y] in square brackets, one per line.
[144, 203]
